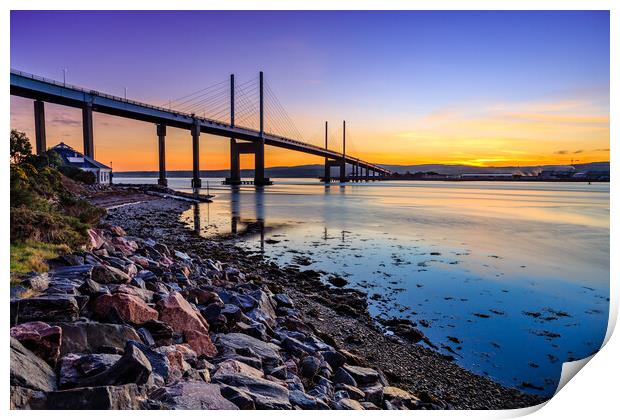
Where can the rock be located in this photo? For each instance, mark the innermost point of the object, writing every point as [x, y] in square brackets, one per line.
[192, 395]
[240, 398]
[374, 393]
[95, 239]
[231, 367]
[267, 352]
[74, 367]
[106, 274]
[309, 366]
[124, 245]
[337, 281]
[161, 333]
[175, 311]
[296, 347]
[37, 283]
[117, 231]
[362, 375]
[341, 376]
[28, 370]
[131, 309]
[264, 311]
[123, 397]
[200, 343]
[91, 337]
[334, 358]
[369, 406]
[159, 362]
[146, 337]
[90, 287]
[353, 392]
[27, 399]
[266, 394]
[392, 393]
[348, 404]
[176, 360]
[44, 308]
[283, 300]
[133, 367]
[40, 338]
[306, 402]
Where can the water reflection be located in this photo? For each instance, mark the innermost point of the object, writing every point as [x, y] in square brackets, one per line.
[517, 272]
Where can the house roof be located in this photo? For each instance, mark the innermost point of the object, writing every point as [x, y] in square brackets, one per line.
[72, 157]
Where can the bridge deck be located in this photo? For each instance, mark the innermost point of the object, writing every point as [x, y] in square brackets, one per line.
[35, 87]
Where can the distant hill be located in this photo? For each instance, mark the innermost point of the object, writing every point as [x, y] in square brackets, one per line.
[314, 171]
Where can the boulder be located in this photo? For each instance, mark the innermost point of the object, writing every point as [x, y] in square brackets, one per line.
[175, 311]
[40, 338]
[231, 367]
[28, 370]
[134, 367]
[391, 393]
[267, 352]
[123, 397]
[176, 355]
[341, 376]
[159, 362]
[27, 399]
[200, 343]
[238, 397]
[309, 366]
[76, 366]
[266, 394]
[334, 358]
[95, 239]
[362, 375]
[373, 393]
[192, 395]
[306, 402]
[106, 274]
[131, 309]
[44, 308]
[92, 337]
[348, 404]
[161, 333]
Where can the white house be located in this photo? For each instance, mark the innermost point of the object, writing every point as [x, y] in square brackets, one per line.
[71, 157]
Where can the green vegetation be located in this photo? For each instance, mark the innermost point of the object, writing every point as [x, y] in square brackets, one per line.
[47, 218]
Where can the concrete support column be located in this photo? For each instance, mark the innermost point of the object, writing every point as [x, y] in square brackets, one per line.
[196, 182]
[87, 129]
[235, 166]
[161, 136]
[343, 173]
[39, 126]
[259, 163]
[328, 172]
[367, 171]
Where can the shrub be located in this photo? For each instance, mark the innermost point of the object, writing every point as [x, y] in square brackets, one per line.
[77, 174]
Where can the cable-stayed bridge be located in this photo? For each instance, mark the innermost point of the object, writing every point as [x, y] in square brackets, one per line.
[255, 118]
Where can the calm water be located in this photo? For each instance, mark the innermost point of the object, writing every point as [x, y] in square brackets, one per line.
[511, 279]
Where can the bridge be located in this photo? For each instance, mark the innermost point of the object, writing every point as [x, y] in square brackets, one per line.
[243, 139]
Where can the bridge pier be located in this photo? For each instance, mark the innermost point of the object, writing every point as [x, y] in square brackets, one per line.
[39, 126]
[367, 172]
[257, 149]
[161, 136]
[196, 181]
[87, 130]
[343, 171]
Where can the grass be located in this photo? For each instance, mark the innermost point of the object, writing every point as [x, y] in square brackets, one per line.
[32, 256]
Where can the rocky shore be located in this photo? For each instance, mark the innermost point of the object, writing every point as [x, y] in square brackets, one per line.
[152, 316]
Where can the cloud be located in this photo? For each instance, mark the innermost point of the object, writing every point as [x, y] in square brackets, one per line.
[63, 120]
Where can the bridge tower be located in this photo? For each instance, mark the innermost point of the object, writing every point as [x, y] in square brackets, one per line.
[343, 164]
[235, 168]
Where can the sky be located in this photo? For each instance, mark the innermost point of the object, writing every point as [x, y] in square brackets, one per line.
[466, 87]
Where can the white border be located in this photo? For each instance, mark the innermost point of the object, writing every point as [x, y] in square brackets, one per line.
[593, 395]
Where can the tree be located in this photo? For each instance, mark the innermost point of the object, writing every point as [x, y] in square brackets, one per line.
[20, 146]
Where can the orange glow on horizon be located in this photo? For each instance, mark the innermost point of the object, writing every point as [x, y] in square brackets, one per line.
[515, 134]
